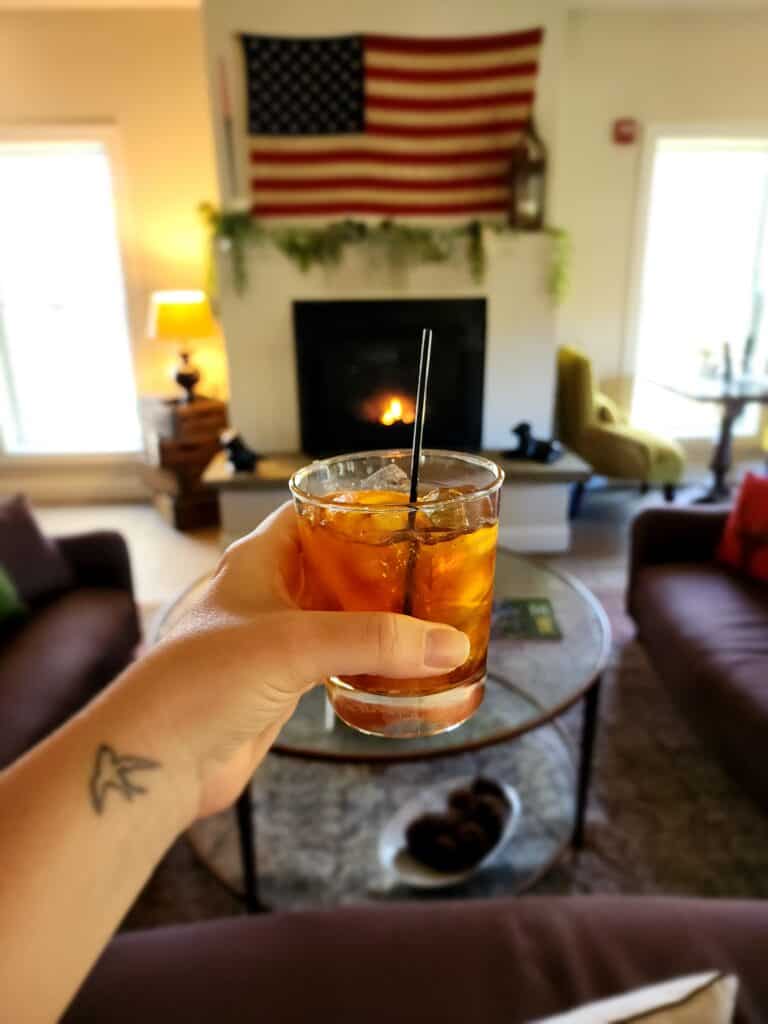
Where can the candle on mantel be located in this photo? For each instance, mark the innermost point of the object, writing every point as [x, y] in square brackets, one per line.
[229, 137]
[226, 108]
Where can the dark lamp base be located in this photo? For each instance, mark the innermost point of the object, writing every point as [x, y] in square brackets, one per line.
[187, 377]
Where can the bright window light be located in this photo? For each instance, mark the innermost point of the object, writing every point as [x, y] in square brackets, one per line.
[703, 277]
[66, 376]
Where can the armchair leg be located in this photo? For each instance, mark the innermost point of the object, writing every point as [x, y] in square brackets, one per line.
[669, 492]
[574, 505]
[644, 488]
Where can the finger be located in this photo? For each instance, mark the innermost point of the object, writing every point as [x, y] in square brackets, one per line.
[279, 524]
[263, 568]
[322, 644]
[269, 542]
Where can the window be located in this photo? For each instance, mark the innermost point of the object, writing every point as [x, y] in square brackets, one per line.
[703, 277]
[66, 376]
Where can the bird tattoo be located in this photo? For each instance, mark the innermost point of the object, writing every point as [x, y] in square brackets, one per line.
[112, 771]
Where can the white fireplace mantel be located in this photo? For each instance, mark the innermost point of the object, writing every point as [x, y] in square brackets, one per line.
[519, 363]
[520, 342]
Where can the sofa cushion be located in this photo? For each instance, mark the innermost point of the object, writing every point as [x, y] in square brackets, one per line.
[608, 411]
[744, 544]
[59, 660]
[453, 962]
[33, 562]
[12, 608]
[706, 633]
[706, 998]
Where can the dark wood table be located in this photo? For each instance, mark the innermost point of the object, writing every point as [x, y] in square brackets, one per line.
[181, 439]
[733, 396]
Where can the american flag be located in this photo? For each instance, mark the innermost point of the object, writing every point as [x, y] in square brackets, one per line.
[386, 125]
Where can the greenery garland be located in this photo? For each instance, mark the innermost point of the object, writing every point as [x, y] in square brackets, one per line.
[401, 245]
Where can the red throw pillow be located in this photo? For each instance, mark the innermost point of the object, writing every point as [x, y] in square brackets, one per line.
[744, 544]
[34, 563]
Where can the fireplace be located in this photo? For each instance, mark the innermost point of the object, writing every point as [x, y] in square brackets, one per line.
[357, 366]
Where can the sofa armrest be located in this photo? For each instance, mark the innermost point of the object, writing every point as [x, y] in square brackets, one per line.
[98, 559]
[664, 535]
[509, 961]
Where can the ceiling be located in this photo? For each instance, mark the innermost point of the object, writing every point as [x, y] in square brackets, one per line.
[102, 5]
[591, 5]
[603, 5]
[681, 5]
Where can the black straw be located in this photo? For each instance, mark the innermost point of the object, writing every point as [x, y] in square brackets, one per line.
[418, 437]
[421, 408]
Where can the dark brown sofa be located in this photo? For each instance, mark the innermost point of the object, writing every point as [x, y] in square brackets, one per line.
[705, 629]
[449, 963]
[71, 646]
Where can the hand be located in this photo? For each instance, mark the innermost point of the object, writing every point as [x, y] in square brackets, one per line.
[231, 673]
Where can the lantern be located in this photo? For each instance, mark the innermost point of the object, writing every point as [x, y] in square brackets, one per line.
[527, 178]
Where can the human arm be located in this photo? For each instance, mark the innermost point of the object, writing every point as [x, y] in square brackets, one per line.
[184, 730]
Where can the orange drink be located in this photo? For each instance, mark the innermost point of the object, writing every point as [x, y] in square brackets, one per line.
[365, 548]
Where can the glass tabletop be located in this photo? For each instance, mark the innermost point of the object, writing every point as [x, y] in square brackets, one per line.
[530, 681]
[706, 389]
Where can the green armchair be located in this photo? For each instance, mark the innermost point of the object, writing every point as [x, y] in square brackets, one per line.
[593, 427]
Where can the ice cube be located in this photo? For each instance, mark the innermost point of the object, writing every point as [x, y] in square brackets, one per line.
[452, 517]
[387, 478]
[433, 495]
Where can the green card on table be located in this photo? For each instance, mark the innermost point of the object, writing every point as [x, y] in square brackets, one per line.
[528, 618]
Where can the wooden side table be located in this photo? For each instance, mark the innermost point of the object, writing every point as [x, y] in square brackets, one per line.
[181, 439]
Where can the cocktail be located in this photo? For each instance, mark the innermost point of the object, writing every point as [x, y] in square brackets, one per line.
[367, 547]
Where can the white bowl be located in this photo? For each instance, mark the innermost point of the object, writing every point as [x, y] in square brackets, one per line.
[393, 851]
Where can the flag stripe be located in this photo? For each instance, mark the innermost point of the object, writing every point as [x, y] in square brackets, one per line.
[382, 209]
[448, 119]
[371, 156]
[449, 62]
[486, 128]
[442, 77]
[454, 90]
[384, 145]
[493, 99]
[475, 44]
[386, 196]
[387, 172]
[376, 182]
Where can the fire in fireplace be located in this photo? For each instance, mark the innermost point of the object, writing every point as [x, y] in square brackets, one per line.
[386, 408]
[357, 365]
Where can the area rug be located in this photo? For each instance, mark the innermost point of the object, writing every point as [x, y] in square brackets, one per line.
[663, 817]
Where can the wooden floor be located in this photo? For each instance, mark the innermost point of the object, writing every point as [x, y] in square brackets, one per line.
[163, 560]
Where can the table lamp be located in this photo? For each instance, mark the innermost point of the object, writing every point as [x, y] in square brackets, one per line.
[181, 317]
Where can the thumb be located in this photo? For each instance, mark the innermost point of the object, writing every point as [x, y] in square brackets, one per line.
[372, 643]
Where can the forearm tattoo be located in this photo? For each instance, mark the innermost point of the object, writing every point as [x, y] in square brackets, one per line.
[112, 771]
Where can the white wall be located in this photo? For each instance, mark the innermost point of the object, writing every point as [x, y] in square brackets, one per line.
[257, 326]
[659, 67]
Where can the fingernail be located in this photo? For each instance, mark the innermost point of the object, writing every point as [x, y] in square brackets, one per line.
[445, 648]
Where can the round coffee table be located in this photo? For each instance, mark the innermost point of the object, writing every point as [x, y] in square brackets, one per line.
[531, 682]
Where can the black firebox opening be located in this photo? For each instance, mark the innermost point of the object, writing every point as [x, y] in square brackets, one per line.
[357, 371]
